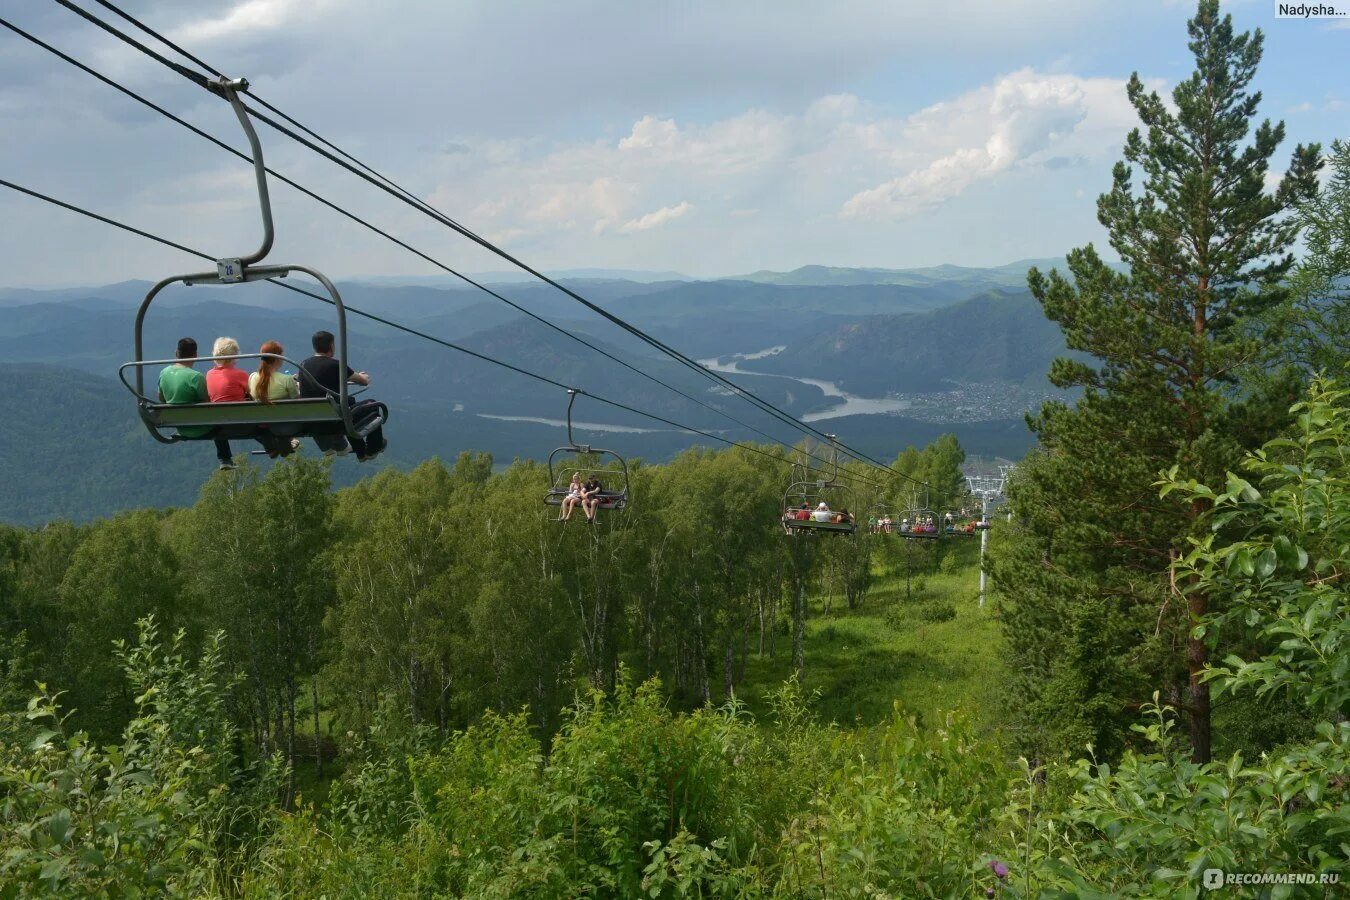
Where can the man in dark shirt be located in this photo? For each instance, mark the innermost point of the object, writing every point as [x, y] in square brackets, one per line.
[590, 497]
[320, 374]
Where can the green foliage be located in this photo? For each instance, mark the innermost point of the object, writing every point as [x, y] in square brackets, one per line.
[936, 611]
[637, 800]
[1273, 561]
[164, 812]
[1277, 555]
[1159, 820]
[1318, 320]
[937, 469]
[121, 572]
[254, 553]
[1082, 578]
[634, 797]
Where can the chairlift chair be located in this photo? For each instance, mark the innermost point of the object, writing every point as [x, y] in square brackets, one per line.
[559, 475]
[327, 415]
[920, 523]
[881, 520]
[803, 495]
[957, 523]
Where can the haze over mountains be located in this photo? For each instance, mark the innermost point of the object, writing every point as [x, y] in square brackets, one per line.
[887, 357]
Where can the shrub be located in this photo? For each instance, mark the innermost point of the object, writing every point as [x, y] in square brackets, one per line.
[934, 611]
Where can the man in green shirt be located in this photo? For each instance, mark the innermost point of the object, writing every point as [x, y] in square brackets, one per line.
[180, 383]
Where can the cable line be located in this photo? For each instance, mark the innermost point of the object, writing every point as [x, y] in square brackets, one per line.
[388, 186]
[47, 198]
[381, 232]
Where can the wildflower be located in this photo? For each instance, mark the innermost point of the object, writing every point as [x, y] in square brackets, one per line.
[998, 869]
[989, 892]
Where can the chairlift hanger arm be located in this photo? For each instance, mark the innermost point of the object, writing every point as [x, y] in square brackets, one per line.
[230, 90]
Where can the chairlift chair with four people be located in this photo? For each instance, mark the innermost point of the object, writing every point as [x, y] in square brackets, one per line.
[920, 523]
[957, 523]
[559, 475]
[327, 415]
[804, 498]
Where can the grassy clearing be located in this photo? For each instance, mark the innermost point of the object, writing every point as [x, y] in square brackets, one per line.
[893, 650]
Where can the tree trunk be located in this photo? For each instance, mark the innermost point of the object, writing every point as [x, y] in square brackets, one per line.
[290, 737]
[799, 626]
[728, 669]
[318, 748]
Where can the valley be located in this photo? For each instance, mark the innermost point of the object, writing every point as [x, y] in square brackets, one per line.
[884, 364]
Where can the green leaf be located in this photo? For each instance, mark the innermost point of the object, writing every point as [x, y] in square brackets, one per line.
[1266, 563]
[41, 739]
[59, 827]
[1284, 549]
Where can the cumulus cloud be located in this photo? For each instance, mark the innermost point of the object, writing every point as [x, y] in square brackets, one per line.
[838, 157]
[1023, 118]
[656, 218]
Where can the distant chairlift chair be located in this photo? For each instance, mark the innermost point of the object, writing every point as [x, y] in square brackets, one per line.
[614, 497]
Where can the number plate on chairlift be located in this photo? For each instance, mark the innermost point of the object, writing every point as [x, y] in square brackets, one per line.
[231, 271]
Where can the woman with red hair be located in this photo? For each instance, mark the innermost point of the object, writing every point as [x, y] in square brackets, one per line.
[269, 384]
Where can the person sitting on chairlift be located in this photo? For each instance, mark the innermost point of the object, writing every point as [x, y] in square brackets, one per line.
[227, 383]
[822, 513]
[268, 385]
[321, 379]
[181, 383]
[573, 497]
[590, 497]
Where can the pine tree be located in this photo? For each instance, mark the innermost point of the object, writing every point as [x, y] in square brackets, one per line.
[1094, 624]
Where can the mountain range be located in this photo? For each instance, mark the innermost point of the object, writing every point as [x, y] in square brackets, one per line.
[919, 335]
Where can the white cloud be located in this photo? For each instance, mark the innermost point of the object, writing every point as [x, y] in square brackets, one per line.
[248, 16]
[1024, 118]
[837, 159]
[656, 218]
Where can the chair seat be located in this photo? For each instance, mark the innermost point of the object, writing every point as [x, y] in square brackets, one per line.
[812, 525]
[238, 420]
[608, 499]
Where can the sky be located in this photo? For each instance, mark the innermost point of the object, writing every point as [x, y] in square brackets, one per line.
[708, 138]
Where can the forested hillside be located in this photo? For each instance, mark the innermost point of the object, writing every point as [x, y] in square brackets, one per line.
[994, 337]
[423, 684]
[75, 450]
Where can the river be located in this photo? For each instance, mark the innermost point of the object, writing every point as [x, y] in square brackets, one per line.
[848, 405]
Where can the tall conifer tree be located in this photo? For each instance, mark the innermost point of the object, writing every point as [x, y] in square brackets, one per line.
[1094, 625]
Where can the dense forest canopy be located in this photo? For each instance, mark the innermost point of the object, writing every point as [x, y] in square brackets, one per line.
[423, 684]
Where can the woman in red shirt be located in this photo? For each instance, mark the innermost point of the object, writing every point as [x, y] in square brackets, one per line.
[227, 383]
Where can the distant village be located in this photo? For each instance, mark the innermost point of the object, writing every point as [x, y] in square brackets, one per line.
[977, 402]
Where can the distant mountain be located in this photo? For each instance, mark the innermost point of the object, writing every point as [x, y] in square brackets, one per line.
[996, 336]
[516, 276]
[955, 277]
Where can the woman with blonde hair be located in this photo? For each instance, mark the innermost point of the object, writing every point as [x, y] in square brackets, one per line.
[572, 499]
[268, 385]
[225, 383]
